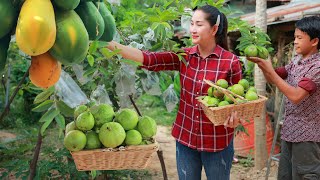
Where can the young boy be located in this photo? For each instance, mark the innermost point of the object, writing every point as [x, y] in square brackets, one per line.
[300, 149]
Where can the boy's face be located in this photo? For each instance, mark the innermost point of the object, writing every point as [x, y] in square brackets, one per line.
[302, 42]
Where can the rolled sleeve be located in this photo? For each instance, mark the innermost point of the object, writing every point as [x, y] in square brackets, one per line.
[282, 72]
[158, 61]
[308, 85]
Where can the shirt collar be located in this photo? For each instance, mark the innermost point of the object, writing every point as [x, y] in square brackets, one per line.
[217, 51]
[312, 58]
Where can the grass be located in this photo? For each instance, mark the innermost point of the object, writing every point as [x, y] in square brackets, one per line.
[154, 107]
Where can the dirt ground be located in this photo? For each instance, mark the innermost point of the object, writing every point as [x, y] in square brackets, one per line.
[167, 145]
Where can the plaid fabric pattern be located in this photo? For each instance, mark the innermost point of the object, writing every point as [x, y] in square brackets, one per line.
[192, 128]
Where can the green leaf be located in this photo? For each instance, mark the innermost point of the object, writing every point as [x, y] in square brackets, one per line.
[44, 95]
[43, 106]
[49, 115]
[47, 118]
[103, 71]
[93, 47]
[60, 121]
[64, 109]
[90, 59]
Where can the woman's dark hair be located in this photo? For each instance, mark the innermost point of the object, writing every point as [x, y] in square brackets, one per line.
[311, 26]
[213, 13]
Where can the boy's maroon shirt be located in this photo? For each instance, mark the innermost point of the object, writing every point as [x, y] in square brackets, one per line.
[192, 128]
[302, 121]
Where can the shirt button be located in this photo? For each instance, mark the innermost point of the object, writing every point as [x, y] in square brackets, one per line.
[197, 117]
[199, 80]
[197, 92]
[196, 104]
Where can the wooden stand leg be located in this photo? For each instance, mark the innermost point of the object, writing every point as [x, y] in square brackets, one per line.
[163, 165]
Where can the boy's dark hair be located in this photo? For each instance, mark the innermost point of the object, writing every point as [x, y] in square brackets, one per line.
[213, 13]
[311, 26]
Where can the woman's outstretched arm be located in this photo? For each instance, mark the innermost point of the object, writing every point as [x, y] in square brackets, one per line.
[127, 52]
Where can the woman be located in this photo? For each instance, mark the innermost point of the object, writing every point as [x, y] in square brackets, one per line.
[198, 142]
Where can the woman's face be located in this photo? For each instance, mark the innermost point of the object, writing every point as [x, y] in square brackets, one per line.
[201, 31]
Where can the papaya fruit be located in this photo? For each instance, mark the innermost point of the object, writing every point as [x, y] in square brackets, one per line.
[91, 19]
[44, 71]
[66, 5]
[8, 16]
[4, 46]
[109, 22]
[36, 27]
[72, 41]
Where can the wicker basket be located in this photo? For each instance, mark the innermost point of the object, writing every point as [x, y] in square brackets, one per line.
[245, 110]
[128, 157]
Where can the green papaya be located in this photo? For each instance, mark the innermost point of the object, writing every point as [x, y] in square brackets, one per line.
[8, 17]
[4, 46]
[91, 19]
[66, 5]
[109, 22]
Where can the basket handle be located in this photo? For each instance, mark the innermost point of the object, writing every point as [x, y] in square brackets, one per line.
[225, 91]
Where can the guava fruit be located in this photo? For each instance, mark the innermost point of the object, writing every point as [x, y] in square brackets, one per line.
[251, 95]
[85, 121]
[80, 109]
[217, 94]
[251, 51]
[128, 118]
[229, 100]
[147, 127]
[75, 140]
[223, 103]
[244, 83]
[222, 83]
[251, 88]
[133, 137]
[210, 90]
[112, 134]
[212, 101]
[70, 126]
[93, 141]
[238, 89]
[263, 53]
[102, 113]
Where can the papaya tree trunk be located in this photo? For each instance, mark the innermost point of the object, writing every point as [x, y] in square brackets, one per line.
[261, 154]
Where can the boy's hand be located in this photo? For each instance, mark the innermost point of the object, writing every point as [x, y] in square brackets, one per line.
[233, 121]
[264, 65]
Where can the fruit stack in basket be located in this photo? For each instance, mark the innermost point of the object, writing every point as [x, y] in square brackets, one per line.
[223, 99]
[99, 126]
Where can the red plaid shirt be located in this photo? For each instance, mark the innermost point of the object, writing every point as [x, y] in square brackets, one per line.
[192, 128]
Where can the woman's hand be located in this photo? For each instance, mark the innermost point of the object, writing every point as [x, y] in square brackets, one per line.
[233, 121]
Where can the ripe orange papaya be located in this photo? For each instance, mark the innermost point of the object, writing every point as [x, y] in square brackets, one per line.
[36, 27]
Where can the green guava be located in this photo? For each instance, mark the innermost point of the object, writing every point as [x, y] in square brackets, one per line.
[210, 90]
[70, 126]
[251, 95]
[112, 134]
[238, 89]
[75, 140]
[147, 127]
[263, 53]
[217, 94]
[251, 51]
[251, 88]
[229, 100]
[128, 118]
[102, 113]
[85, 121]
[80, 109]
[93, 141]
[223, 103]
[133, 137]
[212, 101]
[222, 83]
[244, 83]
